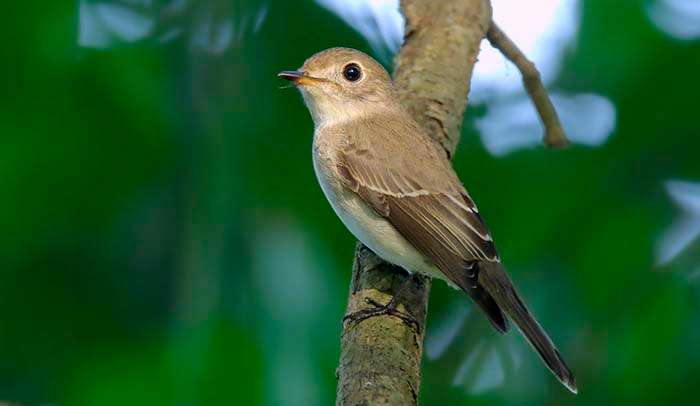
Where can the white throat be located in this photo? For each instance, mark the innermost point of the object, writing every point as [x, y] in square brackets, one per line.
[330, 111]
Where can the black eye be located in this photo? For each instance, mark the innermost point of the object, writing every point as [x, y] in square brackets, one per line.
[352, 72]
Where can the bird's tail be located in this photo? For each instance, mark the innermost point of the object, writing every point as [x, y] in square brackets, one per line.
[497, 283]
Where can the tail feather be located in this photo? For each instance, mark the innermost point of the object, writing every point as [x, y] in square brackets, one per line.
[467, 281]
[490, 308]
[496, 282]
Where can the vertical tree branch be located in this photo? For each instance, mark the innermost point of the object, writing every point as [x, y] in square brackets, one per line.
[380, 356]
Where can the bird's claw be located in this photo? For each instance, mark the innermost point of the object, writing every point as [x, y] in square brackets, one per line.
[379, 309]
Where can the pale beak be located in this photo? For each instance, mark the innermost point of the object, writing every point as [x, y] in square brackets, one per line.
[291, 75]
[299, 78]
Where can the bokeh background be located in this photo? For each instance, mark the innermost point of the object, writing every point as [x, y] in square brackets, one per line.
[164, 241]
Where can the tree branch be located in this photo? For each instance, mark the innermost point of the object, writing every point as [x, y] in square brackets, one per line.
[554, 135]
[380, 356]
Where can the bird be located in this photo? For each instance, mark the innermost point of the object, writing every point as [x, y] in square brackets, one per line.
[395, 190]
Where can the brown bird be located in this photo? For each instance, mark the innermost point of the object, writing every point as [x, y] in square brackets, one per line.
[393, 187]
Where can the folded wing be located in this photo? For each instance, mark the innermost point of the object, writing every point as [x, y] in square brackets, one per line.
[442, 223]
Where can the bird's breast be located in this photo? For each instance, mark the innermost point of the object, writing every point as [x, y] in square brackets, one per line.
[363, 222]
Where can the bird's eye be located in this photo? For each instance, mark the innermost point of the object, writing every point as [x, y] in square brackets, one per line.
[352, 72]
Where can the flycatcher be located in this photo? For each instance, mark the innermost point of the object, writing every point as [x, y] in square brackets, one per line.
[395, 190]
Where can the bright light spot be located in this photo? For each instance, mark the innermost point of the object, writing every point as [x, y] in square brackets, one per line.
[512, 123]
[379, 21]
[216, 34]
[543, 31]
[170, 35]
[677, 18]
[487, 358]
[259, 18]
[213, 37]
[101, 25]
[487, 364]
[490, 371]
[106, 24]
[443, 332]
[686, 229]
[544, 34]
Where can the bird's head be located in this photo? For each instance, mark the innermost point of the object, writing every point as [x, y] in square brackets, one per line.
[340, 84]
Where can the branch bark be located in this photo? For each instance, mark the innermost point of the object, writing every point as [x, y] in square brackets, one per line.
[380, 356]
[554, 135]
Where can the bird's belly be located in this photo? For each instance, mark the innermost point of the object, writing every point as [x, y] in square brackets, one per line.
[371, 229]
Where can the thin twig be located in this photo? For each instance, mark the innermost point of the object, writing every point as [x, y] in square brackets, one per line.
[554, 135]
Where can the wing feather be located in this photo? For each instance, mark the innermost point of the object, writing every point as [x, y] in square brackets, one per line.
[417, 191]
[444, 222]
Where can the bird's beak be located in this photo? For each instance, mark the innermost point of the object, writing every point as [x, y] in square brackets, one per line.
[297, 77]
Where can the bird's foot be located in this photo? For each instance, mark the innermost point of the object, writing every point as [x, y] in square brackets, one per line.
[379, 309]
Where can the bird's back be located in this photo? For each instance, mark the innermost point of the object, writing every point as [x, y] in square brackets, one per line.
[398, 143]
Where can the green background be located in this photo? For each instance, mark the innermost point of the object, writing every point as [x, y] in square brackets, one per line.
[164, 241]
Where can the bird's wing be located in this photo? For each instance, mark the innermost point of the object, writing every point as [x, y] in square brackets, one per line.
[416, 190]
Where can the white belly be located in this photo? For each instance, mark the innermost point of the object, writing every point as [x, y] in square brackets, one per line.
[371, 229]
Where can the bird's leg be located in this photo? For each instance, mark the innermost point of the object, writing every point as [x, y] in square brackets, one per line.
[388, 309]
